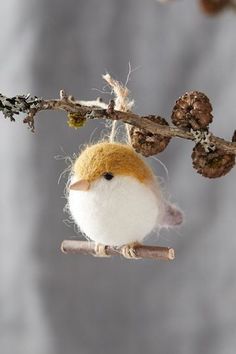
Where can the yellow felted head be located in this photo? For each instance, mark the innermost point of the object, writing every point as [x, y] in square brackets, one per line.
[115, 158]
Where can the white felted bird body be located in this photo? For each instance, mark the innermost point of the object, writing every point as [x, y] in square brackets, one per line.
[114, 197]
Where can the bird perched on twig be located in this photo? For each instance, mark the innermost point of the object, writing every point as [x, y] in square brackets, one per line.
[115, 198]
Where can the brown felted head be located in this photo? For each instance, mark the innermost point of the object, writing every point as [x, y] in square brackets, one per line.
[115, 158]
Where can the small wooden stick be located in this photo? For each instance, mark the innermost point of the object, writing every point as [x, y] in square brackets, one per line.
[141, 251]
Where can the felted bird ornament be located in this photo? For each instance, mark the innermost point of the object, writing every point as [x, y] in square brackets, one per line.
[114, 197]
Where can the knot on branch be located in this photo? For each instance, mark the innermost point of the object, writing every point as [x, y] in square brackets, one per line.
[147, 143]
[111, 107]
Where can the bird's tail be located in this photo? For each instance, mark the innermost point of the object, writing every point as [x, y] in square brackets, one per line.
[170, 216]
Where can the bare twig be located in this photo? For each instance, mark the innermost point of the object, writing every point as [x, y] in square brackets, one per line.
[140, 251]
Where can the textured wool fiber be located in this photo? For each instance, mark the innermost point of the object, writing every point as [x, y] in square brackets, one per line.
[115, 212]
[123, 209]
[120, 159]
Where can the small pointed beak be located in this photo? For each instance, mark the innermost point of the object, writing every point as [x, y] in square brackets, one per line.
[81, 185]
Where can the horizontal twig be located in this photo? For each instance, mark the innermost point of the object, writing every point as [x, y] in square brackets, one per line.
[140, 251]
[98, 110]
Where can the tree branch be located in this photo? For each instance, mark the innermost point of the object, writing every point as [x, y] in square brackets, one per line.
[140, 251]
[99, 110]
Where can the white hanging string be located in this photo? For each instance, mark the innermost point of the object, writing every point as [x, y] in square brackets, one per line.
[122, 103]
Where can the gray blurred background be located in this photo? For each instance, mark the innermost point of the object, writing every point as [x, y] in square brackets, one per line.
[51, 303]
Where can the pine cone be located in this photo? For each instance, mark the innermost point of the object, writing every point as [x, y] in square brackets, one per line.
[192, 110]
[146, 143]
[213, 7]
[212, 164]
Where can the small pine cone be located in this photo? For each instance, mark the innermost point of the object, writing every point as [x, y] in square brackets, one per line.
[212, 164]
[146, 143]
[213, 7]
[192, 110]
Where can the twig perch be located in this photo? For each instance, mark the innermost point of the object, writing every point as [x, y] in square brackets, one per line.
[141, 251]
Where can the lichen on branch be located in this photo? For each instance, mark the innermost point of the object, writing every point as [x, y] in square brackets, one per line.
[11, 106]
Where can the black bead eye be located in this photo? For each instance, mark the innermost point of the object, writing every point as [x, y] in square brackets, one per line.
[108, 176]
